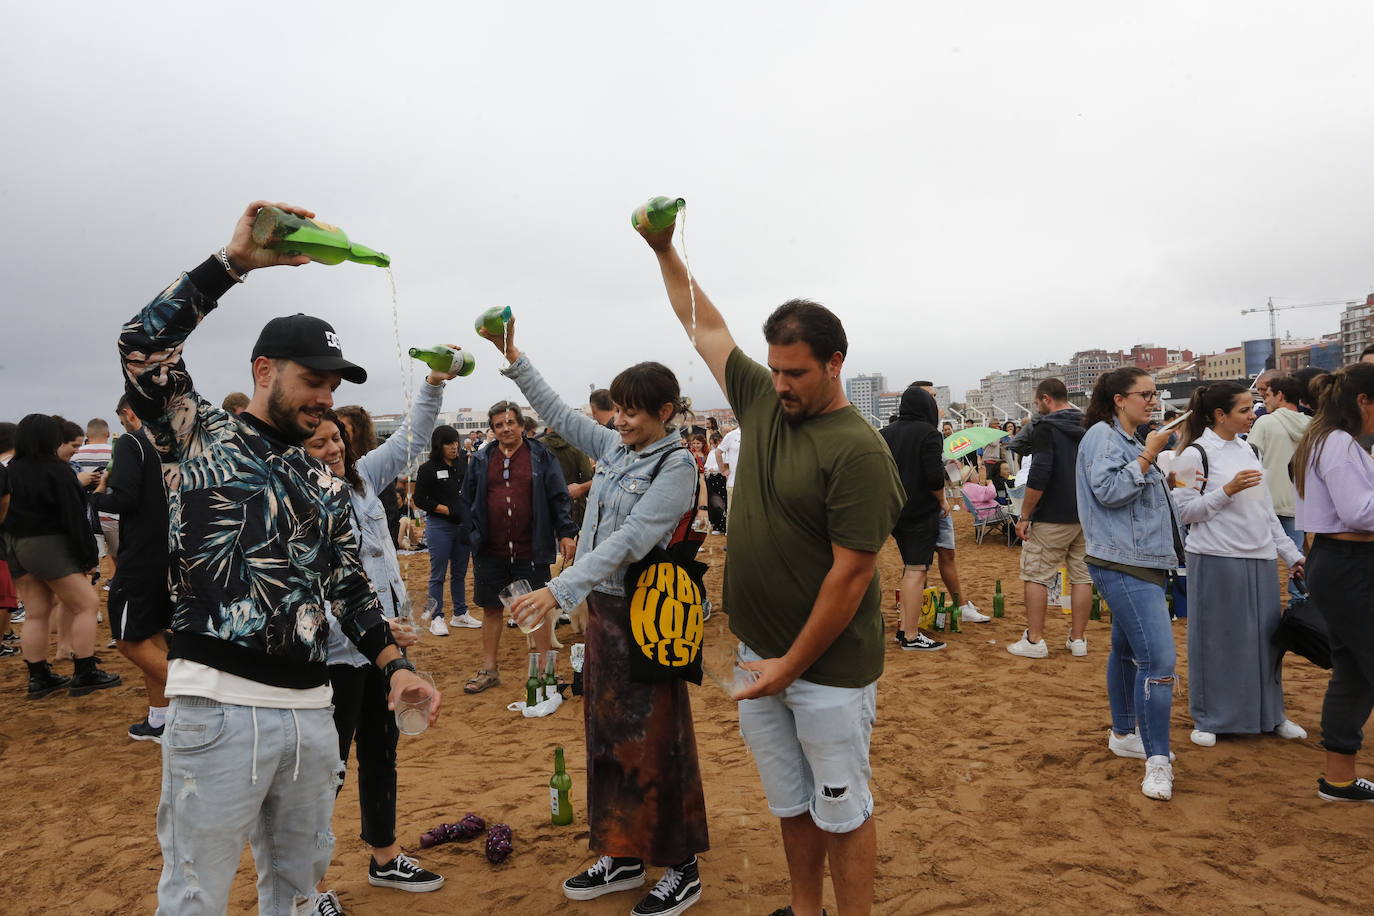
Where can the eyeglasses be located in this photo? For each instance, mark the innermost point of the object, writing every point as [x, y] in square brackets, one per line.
[1144, 395]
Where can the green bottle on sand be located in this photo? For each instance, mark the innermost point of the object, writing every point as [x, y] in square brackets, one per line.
[560, 789]
[319, 241]
[550, 679]
[956, 614]
[657, 212]
[999, 601]
[532, 682]
[1096, 612]
[441, 358]
[493, 320]
[941, 614]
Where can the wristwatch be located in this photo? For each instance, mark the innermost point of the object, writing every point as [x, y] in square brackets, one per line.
[396, 664]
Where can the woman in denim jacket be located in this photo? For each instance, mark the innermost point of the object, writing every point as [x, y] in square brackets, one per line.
[1123, 504]
[644, 796]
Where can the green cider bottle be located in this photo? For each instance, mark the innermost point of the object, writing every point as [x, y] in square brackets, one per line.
[999, 601]
[532, 683]
[1096, 612]
[940, 613]
[657, 212]
[560, 789]
[319, 241]
[956, 615]
[441, 358]
[493, 320]
[550, 679]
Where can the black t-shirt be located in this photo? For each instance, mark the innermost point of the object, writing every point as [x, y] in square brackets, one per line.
[137, 493]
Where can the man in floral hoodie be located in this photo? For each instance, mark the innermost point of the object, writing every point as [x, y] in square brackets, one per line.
[259, 540]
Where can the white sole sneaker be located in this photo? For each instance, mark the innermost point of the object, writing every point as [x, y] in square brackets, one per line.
[1159, 779]
[468, 621]
[1290, 730]
[1202, 738]
[1027, 649]
[1129, 746]
[1078, 648]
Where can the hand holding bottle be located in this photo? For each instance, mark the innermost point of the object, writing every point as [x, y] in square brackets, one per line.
[245, 254]
[504, 342]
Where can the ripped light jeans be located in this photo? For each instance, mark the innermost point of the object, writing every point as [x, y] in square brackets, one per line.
[235, 773]
[1140, 668]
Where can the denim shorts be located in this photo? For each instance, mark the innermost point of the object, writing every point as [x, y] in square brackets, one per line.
[946, 538]
[810, 743]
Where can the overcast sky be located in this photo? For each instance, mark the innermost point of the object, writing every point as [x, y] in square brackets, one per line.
[968, 187]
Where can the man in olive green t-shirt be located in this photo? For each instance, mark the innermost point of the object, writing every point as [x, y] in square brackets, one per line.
[816, 495]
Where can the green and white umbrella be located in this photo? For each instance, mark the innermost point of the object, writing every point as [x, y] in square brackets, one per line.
[970, 440]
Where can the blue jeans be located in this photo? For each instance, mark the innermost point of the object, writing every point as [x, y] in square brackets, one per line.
[235, 773]
[448, 552]
[1290, 528]
[1140, 668]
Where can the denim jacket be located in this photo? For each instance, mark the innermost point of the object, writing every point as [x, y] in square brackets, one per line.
[627, 512]
[1125, 514]
[378, 554]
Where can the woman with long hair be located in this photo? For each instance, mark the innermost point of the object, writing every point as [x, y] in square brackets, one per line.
[1235, 682]
[360, 695]
[716, 496]
[644, 795]
[1334, 478]
[51, 549]
[439, 491]
[1132, 543]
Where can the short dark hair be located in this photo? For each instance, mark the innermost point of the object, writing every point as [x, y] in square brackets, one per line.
[531, 426]
[1053, 389]
[235, 400]
[1367, 351]
[600, 399]
[1289, 387]
[67, 429]
[804, 321]
[923, 384]
[7, 436]
[501, 407]
[647, 387]
[123, 404]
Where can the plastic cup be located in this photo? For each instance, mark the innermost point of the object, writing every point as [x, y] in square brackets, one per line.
[1253, 493]
[412, 717]
[508, 596]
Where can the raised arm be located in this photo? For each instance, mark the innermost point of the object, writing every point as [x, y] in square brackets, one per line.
[700, 319]
[403, 447]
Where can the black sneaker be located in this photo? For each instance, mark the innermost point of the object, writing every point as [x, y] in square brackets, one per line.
[678, 889]
[1361, 790]
[17, 615]
[918, 643]
[11, 636]
[91, 681]
[46, 682]
[7, 651]
[607, 876]
[327, 904]
[404, 874]
[142, 731]
[787, 911]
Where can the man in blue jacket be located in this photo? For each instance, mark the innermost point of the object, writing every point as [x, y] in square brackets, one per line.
[520, 507]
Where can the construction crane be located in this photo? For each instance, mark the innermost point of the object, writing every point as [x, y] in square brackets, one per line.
[1273, 311]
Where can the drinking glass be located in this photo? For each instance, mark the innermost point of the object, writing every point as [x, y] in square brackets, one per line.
[508, 596]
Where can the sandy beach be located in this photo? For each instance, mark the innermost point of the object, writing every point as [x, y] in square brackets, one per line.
[994, 789]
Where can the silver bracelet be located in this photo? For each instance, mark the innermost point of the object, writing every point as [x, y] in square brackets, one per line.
[223, 255]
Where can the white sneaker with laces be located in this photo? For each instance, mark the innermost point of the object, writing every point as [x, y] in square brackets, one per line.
[466, 620]
[971, 614]
[1290, 730]
[438, 627]
[1159, 779]
[1129, 746]
[1077, 647]
[1202, 738]
[1027, 649]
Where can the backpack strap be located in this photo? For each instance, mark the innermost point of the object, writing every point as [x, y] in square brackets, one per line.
[1202, 453]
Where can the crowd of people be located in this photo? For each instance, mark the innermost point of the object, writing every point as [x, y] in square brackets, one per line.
[257, 587]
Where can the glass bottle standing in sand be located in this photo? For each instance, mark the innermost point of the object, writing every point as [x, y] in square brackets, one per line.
[1096, 612]
[441, 358]
[532, 682]
[956, 614]
[560, 791]
[657, 212]
[551, 675]
[941, 615]
[319, 241]
[493, 320]
[999, 601]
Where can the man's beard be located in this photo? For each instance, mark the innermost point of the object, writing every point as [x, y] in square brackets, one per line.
[285, 418]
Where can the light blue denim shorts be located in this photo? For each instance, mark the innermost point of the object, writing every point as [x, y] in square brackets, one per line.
[810, 743]
[946, 538]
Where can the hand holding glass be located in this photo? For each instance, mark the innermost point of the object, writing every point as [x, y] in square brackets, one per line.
[510, 596]
[412, 710]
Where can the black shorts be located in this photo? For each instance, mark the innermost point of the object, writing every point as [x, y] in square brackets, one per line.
[491, 574]
[916, 540]
[139, 608]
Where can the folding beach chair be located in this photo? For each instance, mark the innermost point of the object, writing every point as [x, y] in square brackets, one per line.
[991, 518]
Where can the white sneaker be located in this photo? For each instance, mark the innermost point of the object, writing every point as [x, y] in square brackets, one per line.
[466, 620]
[1078, 647]
[971, 614]
[438, 627]
[1159, 779]
[1205, 739]
[1129, 746]
[1290, 730]
[1027, 649]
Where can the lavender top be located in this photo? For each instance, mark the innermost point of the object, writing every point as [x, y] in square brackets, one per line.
[1346, 470]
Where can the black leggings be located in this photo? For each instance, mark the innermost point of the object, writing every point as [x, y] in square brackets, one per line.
[360, 712]
[715, 501]
[1340, 576]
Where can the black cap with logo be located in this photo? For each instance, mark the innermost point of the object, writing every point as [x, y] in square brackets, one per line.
[309, 341]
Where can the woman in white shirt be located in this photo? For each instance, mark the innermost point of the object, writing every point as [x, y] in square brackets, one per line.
[1235, 683]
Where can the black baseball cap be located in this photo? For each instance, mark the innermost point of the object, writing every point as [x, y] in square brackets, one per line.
[309, 341]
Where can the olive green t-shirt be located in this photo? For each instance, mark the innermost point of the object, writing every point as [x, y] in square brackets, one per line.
[800, 489]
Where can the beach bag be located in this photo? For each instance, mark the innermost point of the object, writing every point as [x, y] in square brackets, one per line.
[664, 593]
[1302, 630]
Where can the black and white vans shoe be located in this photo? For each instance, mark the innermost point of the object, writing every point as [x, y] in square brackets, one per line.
[678, 889]
[1361, 790]
[607, 876]
[142, 731]
[404, 874]
[918, 643]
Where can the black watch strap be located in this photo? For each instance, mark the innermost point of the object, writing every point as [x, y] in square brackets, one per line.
[396, 664]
